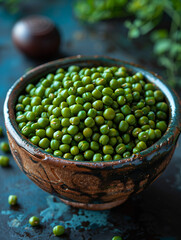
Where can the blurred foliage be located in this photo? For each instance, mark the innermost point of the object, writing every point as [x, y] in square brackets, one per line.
[95, 10]
[11, 5]
[161, 20]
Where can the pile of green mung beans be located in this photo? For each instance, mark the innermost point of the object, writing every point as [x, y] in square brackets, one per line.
[93, 114]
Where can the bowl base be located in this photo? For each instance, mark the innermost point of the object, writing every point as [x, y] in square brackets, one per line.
[92, 206]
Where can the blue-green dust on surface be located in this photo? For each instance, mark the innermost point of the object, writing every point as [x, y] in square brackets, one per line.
[58, 212]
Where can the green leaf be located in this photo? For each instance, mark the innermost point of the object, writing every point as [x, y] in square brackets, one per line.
[166, 62]
[177, 35]
[95, 10]
[128, 24]
[159, 34]
[162, 46]
[147, 27]
[138, 23]
[175, 49]
[134, 33]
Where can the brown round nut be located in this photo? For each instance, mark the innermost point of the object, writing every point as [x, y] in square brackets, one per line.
[36, 36]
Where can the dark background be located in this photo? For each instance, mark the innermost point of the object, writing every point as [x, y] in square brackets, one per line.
[154, 214]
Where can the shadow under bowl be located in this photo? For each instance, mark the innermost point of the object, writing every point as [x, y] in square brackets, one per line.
[85, 184]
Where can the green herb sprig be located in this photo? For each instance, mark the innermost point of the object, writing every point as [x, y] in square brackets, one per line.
[148, 18]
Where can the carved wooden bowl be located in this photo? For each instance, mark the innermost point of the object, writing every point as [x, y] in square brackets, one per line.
[84, 184]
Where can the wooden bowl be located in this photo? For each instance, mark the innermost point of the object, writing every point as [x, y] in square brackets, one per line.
[85, 184]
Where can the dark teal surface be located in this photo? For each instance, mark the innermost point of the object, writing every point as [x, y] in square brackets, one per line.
[153, 215]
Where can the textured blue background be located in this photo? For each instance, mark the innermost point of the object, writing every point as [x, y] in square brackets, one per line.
[153, 215]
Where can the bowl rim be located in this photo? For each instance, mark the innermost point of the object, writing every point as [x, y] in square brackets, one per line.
[170, 135]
